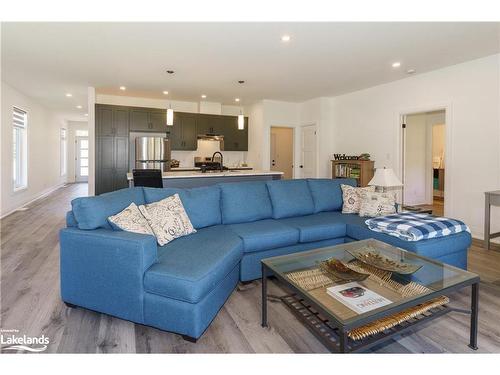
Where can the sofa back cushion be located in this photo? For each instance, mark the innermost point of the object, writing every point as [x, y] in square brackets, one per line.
[327, 194]
[243, 202]
[93, 212]
[290, 198]
[201, 204]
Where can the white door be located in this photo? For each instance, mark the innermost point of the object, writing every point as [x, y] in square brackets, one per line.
[308, 148]
[82, 159]
[282, 151]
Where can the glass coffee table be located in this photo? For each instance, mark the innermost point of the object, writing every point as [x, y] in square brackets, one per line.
[411, 298]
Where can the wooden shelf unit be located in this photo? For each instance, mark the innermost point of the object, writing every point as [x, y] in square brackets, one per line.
[361, 170]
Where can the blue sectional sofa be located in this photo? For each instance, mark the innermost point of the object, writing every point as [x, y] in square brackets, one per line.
[181, 286]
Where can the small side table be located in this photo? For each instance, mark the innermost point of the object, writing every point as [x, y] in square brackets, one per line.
[491, 198]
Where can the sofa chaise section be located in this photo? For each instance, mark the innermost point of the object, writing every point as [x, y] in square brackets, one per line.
[191, 280]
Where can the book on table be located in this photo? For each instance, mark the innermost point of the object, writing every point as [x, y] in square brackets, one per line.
[357, 297]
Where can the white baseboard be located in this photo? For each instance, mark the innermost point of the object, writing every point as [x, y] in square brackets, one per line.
[39, 196]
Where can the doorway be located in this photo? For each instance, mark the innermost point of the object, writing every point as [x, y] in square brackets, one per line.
[308, 151]
[82, 159]
[282, 141]
[424, 136]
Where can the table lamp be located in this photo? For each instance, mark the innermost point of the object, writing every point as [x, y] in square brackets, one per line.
[384, 178]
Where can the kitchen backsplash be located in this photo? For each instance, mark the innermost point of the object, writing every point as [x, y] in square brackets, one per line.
[207, 148]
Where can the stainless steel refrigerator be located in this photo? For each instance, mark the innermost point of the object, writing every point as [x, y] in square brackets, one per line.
[152, 153]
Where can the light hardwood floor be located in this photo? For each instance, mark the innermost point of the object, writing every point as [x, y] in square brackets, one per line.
[30, 302]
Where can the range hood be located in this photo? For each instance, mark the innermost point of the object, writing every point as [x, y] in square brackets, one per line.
[211, 137]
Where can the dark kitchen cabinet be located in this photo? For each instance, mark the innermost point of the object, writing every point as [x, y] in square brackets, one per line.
[112, 147]
[148, 120]
[210, 124]
[234, 138]
[114, 124]
[183, 135]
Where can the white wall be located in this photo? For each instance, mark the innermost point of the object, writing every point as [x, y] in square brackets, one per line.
[368, 121]
[319, 111]
[269, 113]
[73, 126]
[44, 163]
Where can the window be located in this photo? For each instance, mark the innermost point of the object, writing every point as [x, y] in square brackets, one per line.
[64, 152]
[19, 149]
[82, 133]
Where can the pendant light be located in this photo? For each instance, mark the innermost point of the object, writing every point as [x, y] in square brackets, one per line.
[241, 118]
[241, 121]
[170, 115]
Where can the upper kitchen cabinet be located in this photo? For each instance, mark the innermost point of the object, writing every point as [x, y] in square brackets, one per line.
[210, 124]
[234, 138]
[184, 135]
[148, 120]
[112, 120]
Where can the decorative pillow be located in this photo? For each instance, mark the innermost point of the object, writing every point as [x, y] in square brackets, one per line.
[131, 220]
[351, 197]
[168, 219]
[377, 204]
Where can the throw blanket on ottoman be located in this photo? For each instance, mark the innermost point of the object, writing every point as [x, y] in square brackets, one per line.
[415, 227]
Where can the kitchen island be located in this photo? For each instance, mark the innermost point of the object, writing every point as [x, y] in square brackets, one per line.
[190, 179]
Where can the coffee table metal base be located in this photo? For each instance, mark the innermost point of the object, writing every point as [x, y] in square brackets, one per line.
[332, 337]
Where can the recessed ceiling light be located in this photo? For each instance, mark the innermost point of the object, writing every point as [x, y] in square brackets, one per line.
[411, 71]
[123, 88]
[285, 38]
[165, 92]
[69, 95]
[86, 115]
[396, 64]
[237, 99]
[79, 106]
[204, 96]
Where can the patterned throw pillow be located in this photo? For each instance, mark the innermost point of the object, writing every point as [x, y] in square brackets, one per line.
[131, 220]
[352, 198]
[377, 204]
[168, 219]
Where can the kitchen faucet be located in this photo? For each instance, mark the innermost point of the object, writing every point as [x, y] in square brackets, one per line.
[221, 159]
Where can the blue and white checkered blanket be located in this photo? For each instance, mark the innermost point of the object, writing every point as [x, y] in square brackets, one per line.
[415, 227]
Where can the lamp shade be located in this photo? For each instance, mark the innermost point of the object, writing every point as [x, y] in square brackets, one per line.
[385, 177]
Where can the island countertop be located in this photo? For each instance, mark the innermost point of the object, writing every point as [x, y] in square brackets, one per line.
[199, 174]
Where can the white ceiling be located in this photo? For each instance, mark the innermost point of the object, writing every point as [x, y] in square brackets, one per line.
[46, 60]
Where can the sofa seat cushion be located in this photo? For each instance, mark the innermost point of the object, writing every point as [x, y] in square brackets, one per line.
[290, 198]
[327, 194]
[188, 268]
[201, 204]
[316, 227]
[433, 248]
[265, 235]
[243, 202]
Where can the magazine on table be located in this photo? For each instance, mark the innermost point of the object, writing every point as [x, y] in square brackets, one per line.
[357, 297]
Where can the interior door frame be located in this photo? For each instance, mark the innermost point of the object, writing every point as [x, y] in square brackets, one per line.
[77, 158]
[448, 155]
[293, 145]
[316, 146]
